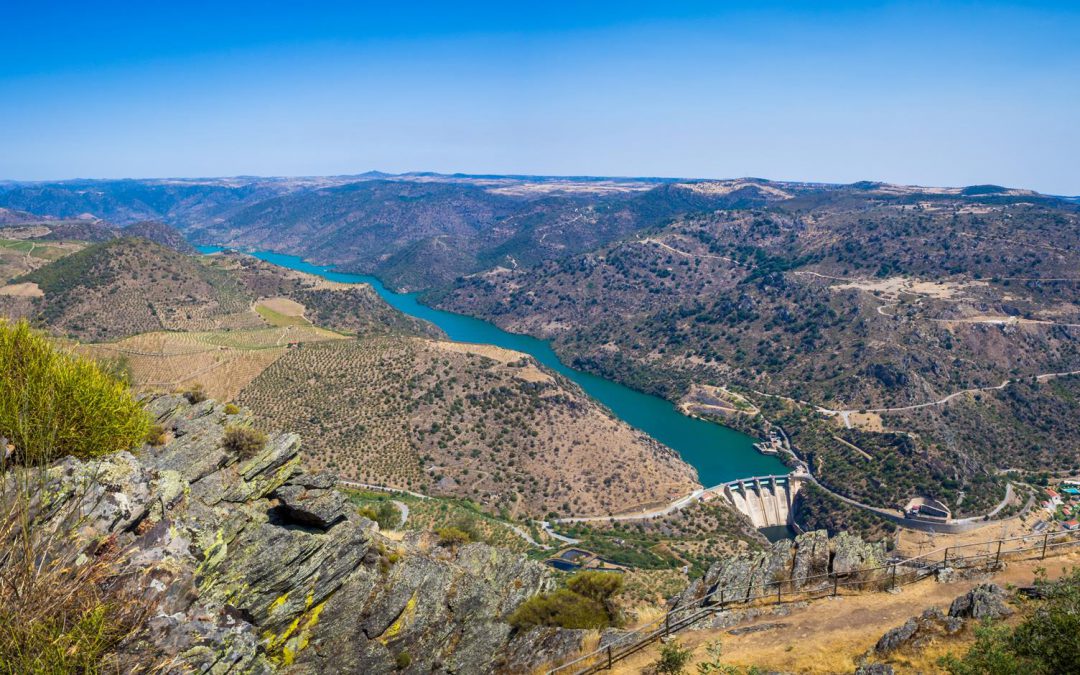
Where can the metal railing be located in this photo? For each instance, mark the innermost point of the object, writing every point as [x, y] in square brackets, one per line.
[985, 554]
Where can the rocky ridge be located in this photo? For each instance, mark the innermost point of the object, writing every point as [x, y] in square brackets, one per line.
[810, 562]
[250, 564]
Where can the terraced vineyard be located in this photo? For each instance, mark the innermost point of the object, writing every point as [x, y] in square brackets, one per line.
[462, 420]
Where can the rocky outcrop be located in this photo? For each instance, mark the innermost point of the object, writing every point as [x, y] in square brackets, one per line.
[249, 564]
[918, 631]
[986, 601]
[811, 562]
[852, 555]
[811, 559]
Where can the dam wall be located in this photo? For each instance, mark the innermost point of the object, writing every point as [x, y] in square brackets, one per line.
[766, 500]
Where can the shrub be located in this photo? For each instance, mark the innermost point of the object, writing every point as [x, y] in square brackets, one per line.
[196, 394]
[563, 608]
[232, 409]
[599, 586]
[403, 660]
[673, 659]
[244, 441]
[54, 404]
[584, 603]
[156, 435]
[387, 516]
[1045, 642]
[452, 536]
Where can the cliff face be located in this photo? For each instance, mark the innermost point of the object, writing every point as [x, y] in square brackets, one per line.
[249, 564]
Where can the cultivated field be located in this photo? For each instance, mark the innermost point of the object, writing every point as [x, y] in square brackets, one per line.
[223, 362]
[456, 420]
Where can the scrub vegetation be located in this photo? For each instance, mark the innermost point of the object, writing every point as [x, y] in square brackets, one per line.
[54, 404]
[57, 613]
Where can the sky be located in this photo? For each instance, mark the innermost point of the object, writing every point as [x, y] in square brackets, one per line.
[929, 93]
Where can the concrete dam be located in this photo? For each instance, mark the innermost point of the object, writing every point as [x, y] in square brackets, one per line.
[766, 500]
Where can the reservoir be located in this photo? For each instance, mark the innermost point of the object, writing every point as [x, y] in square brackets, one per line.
[718, 453]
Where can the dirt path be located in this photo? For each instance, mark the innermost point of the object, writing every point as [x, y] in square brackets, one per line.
[685, 254]
[1041, 378]
[827, 635]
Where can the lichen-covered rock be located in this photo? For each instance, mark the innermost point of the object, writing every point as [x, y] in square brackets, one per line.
[785, 567]
[918, 631]
[986, 601]
[811, 560]
[250, 565]
[852, 555]
[305, 501]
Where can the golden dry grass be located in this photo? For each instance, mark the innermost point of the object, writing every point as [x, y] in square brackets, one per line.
[224, 362]
[26, 290]
[281, 312]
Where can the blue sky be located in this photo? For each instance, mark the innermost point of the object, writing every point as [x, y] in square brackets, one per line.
[928, 92]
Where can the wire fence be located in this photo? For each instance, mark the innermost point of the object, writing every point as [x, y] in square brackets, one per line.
[760, 591]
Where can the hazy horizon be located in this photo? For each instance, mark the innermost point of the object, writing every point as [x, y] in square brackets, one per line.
[485, 174]
[918, 93]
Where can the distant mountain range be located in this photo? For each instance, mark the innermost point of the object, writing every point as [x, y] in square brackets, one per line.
[423, 230]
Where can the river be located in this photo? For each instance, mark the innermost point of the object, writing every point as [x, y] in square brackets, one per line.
[718, 453]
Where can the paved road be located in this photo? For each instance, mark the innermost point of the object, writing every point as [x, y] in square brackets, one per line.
[404, 509]
[680, 503]
[828, 411]
[383, 488]
[546, 527]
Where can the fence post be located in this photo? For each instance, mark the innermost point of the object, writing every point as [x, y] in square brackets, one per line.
[892, 586]
[667, 624]
[997, 558]
[721, 597]
[1046, 537]
[945, 563]
[609, 657]
[835, 584]
[779, 591]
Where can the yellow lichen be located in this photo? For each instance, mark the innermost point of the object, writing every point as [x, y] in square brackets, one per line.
[278, 602]
[215, 553]
[292, 642]
[403, 620]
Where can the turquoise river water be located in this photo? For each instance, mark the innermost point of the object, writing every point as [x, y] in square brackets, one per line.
[718, 453]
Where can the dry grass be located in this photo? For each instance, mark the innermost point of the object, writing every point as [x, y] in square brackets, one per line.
[830, 634]
[58, 613]
[224, 362]
[281, 312]
[26, 290]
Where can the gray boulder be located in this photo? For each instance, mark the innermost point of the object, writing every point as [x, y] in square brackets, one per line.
[874, 669]
[986, 601]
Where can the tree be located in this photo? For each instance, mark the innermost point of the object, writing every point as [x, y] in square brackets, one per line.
[387, 516]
